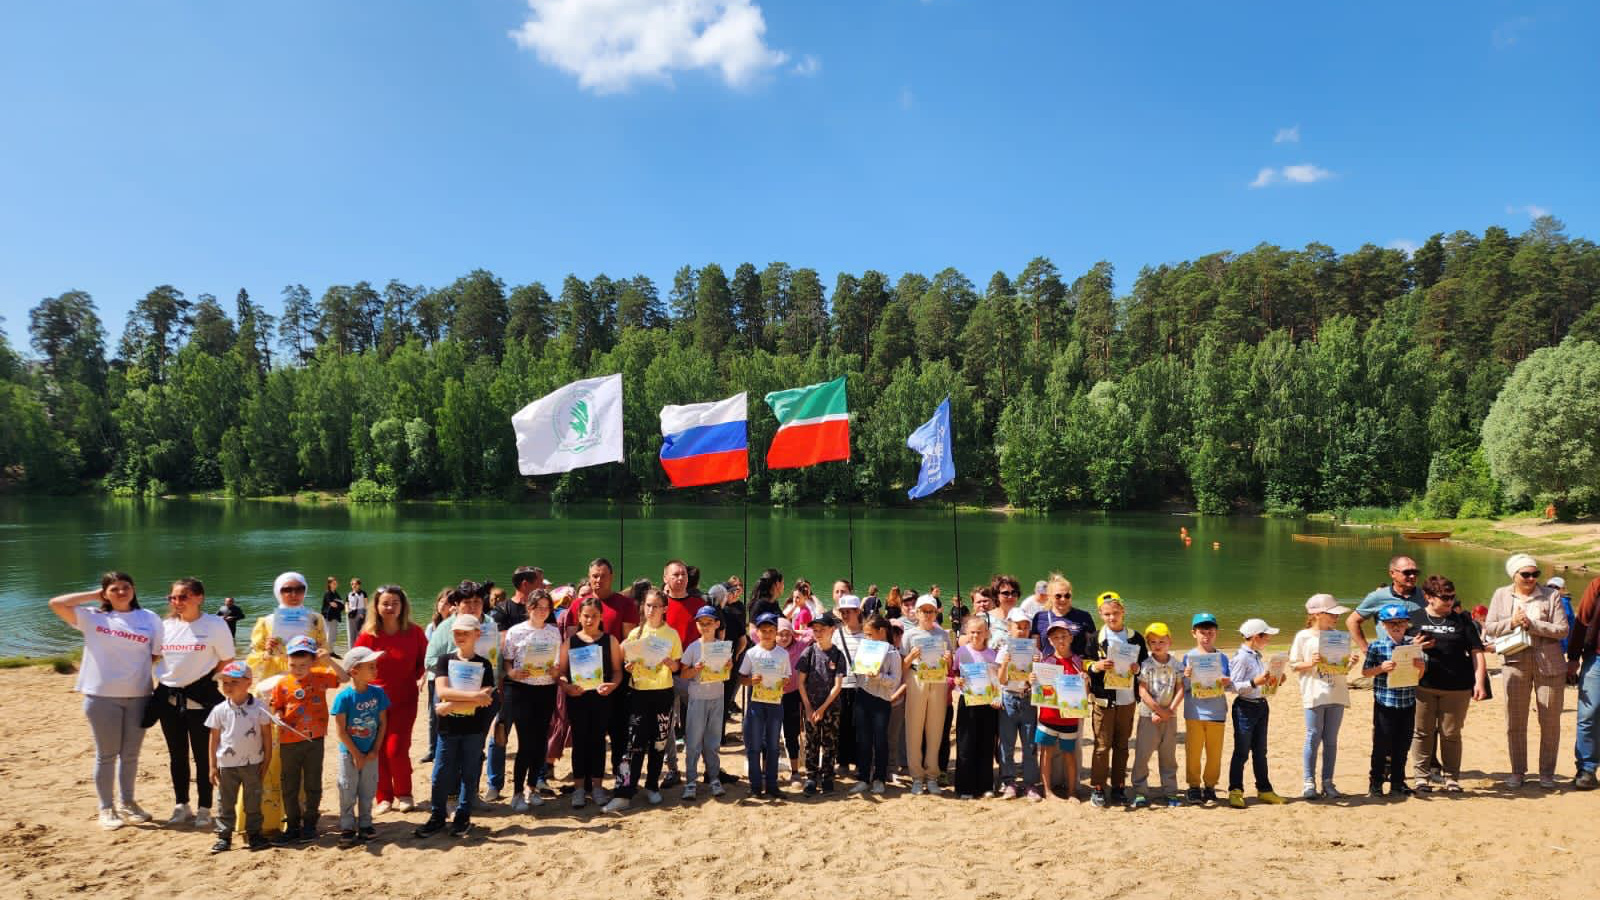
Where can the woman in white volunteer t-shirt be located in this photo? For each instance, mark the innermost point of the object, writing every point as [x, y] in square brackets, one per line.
[121, 644]
[194, 646]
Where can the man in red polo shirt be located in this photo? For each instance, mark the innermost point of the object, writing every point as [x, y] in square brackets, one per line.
[681, 608]
[619, 615]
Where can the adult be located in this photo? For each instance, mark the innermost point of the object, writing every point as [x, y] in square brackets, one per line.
[682, 604]
[926, 648]
[765, 599]
[1581, 652]
[1402, 589]
[230, 613]
[332, 614]
[355, 605]
[391, 632]
[513, 610]
[1079, 623]
[269, 637]
[732, 612]
[469, 600]
[619, 614]
[1004, 593]
[121, 646]
[871, 603]
[1538, 672]
[1039, 600]
[195, 645]
[528, 651]
[1456, 674]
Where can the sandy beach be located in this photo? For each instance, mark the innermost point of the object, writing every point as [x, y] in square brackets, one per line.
[1488, 842]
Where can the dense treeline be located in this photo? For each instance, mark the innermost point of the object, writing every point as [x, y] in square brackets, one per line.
[1294, 379]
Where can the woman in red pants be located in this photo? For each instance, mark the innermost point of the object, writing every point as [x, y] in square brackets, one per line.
[402, 643]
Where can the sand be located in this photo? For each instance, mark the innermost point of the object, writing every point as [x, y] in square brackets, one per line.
[1485, 843]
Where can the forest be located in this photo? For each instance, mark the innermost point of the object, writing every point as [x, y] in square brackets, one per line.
[1272, 379]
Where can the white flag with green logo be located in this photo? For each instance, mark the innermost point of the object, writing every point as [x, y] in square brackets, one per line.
[572, 427]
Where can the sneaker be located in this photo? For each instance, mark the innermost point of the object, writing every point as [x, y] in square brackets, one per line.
[534, 799]
[601, 796]
[132, 814]
[1329, 792]
[223, 845]
[916, 788]
[1236, 799]
[460, 827]
[1421, 786]
[1174, 801]
[1117, 797]
[935, 785]
[579, 800]
[1548, 783]
[307, 835]
[653, 798]
[429, 828]
[1195, 797]
[670, 780]
[810, 788]
[1453, 786]
[879, 787]
[1140, 801]
[1009, 792]
[257, 842]
[1402, 791]
[1514, 782]
[383, 807]
[1209, 795]
[1035, 794]
[690, 792]
[180, 814]
[367, 833]
[616, 805]
[1374, 790]
[1270, 798]
[1098, 798]
[491, 796]
[717, 790]
[1310, 792]
[109, 820]
[859, 787]
[944, 779]
[519, 804]
[543, 784]
[348, 839]
[202, 818]
[1584, 782]
[286, 837]
[404, 804]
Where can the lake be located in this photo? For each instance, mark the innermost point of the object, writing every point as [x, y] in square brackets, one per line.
[53, 545]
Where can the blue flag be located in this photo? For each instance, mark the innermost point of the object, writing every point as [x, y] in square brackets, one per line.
[932, 440]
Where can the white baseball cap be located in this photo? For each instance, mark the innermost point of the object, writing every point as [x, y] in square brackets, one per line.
[928, 601]
[1253, 627]
[1017, 615]
[848, 601]
[1557, 582]
[359, 655]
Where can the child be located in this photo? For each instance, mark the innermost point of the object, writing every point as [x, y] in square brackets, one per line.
[1393, 709]
[976, 723]
[927, 694]
[241, 748]
[789, 642]
[1160, 696]
[764, 669]
[464, 715]
[1056, 735]
[362, 711]
[529, 651]
[1205, 709]
[589, 708]
[823, 667]
[1017, 718]
[1250, 714]
[877, 697]
[649, 702]
[702, 719]
[1115, 702]
[1323, 693]
[300, 702]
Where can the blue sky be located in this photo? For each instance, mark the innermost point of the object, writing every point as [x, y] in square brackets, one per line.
[220, 145]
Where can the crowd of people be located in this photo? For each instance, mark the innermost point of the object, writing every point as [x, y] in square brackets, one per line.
[880, 691]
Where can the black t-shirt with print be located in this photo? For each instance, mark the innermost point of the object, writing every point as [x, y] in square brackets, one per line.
[478, 721]
[821, 667]
[1450, 665]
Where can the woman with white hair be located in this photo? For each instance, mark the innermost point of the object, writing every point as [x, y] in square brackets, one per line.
[1531, 615]
[269, 637]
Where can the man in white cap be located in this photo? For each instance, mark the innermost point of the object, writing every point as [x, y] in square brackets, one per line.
[1402, 589]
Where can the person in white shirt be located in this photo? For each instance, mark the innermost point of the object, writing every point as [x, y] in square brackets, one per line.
[194, 646]
[121, 645]
[355, 606]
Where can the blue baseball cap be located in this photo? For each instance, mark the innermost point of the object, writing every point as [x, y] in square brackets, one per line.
[766, 619]
[1392, 612]
[302, 644]
[707, 612]
[1203, 619]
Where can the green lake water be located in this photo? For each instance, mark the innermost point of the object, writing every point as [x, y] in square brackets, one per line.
[54, 545]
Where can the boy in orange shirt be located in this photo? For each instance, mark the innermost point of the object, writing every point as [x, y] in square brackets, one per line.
[299, 702]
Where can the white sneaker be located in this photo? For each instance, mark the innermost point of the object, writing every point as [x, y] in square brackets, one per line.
[202, 818]
[1309, 792]
[109, 820]
[859, 787]
[653, 798]
[130, 812]
[602, 796]
[404, 804]
[491, 796]
[916, 788]
[878, 787]
[689, 791]
[617, 805]
[717, 790]
[519, 804]
[579, 801]
[383, 807]
[534, 799]
[180, 814]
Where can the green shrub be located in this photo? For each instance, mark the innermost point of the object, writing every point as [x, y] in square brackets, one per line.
[366, 490]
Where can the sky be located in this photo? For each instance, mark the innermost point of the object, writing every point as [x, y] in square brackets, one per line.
[214, 146]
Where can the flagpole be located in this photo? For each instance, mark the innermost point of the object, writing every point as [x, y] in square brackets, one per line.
[622, 534]
[850, 514]
[746, 567]
[955, 539]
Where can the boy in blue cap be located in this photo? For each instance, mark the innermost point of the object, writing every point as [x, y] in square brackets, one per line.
[765, 670]
[702, 718]
[1205, 710]
[1393, 708]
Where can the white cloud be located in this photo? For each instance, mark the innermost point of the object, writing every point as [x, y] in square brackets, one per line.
[1290, 135]
[1533, 210]
[808, 65]
[1408, 247]
[1304, 173]
[610, 45]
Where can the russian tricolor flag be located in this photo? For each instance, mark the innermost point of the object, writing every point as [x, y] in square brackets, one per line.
[705, 443]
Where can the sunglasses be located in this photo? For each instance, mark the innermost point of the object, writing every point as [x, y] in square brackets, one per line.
[1066, 596]
[1409, 573]
[292, 589]
[1008, 593]
[1529, 575]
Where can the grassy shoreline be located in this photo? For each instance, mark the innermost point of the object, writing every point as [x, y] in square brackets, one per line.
[1571, 544]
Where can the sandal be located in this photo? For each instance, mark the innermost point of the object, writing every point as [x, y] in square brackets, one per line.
[1452, 785]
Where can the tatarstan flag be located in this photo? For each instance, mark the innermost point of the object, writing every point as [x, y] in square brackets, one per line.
[813, 425]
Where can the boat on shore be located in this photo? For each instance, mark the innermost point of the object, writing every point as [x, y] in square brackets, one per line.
[1424, 535]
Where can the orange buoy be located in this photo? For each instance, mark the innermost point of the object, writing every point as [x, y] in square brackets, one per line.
[1216, 545]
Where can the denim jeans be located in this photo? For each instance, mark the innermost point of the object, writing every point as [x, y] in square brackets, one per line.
[357, 787]
[1322, 730]
[763, 726]
[1587, 746]
[1249, 741]
[702, 737]
[457, 763]
[495, 754]
[872, 737]
[1017, 720]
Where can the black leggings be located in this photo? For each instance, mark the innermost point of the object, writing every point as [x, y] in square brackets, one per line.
[530, 709]
[976, 730]
[649, 729]
[589, 717]
[791, 726]
[186, 726]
